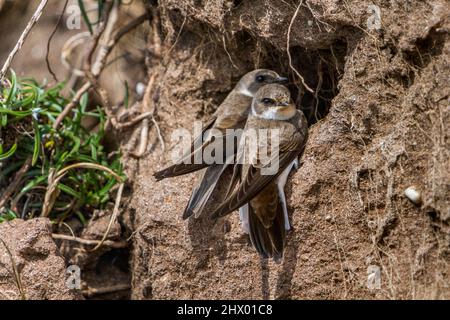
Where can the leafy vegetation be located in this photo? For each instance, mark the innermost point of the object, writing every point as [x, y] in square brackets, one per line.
[69, 171]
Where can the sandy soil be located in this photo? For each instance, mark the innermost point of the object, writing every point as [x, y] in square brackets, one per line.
[379, 124]
[384, 132]
[34, 254]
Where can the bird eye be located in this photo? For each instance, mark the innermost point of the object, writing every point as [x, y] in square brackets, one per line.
[260, 78]
[267, 101]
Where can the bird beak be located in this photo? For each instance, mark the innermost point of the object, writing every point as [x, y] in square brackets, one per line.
[283, 104]
[281, 80]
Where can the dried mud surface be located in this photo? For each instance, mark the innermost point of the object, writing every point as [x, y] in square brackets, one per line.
[387, 129]
[380, 126]
[37, 259]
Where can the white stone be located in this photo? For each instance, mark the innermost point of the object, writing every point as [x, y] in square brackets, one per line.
[413, 194]
[140, 89]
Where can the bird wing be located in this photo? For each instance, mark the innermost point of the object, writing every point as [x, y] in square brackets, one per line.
[254, 181]
[187, 163]
[231, 114]
[202, 192]
[231, 121]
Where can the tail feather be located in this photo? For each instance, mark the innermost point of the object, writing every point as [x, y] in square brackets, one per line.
[269, 242]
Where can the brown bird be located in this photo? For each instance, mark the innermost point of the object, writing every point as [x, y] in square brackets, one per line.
[231, 114]
[256, 190]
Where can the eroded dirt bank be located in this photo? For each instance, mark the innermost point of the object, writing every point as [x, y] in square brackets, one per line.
[31, 264]
[379, 124]
[383, 126]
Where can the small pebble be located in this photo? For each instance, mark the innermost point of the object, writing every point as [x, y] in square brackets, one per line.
[140, 89]
[413, 195]
[304, 257]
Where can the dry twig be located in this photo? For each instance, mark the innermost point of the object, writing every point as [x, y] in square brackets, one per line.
[89, 242]
[15, 182]
[90, 292]
[123, 125]
[113, 217]
[76, 98]
[158, 131]
[54, 179]
[98, 64]
[289, 53]
[37, 14]
[143, 141]
[47, 60]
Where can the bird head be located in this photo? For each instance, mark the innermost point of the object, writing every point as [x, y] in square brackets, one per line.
[251, 82]
[273, 102]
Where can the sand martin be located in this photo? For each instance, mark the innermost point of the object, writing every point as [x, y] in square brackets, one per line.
[260, 197]
[231, 114]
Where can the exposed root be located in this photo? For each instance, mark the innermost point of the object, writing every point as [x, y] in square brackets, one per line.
[68, 48]
[134, 121]
[113, 217]
[47, 61]
[89, 242]
[91, 292]
[318, 87]
[73, 103]
[15, 183]
[143, 142]
[158, 131]
[100, 61]
[288, 49]
[328, 27]
[228, 54]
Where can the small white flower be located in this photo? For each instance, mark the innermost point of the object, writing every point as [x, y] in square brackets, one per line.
[35, 113]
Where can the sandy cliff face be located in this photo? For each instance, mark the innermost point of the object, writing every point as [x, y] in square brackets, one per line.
[381, 126]
[28, 250]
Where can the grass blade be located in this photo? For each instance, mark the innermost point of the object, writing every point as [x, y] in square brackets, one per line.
[85, 16]
[9, 153]
[37, 142]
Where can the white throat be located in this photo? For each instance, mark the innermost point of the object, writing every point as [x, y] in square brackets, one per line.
[275, 113]
[245, 92]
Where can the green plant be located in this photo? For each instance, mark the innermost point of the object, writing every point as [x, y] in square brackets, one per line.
[84, 14]
[69, 165]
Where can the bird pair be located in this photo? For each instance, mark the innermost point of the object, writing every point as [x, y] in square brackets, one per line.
[258, 104]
